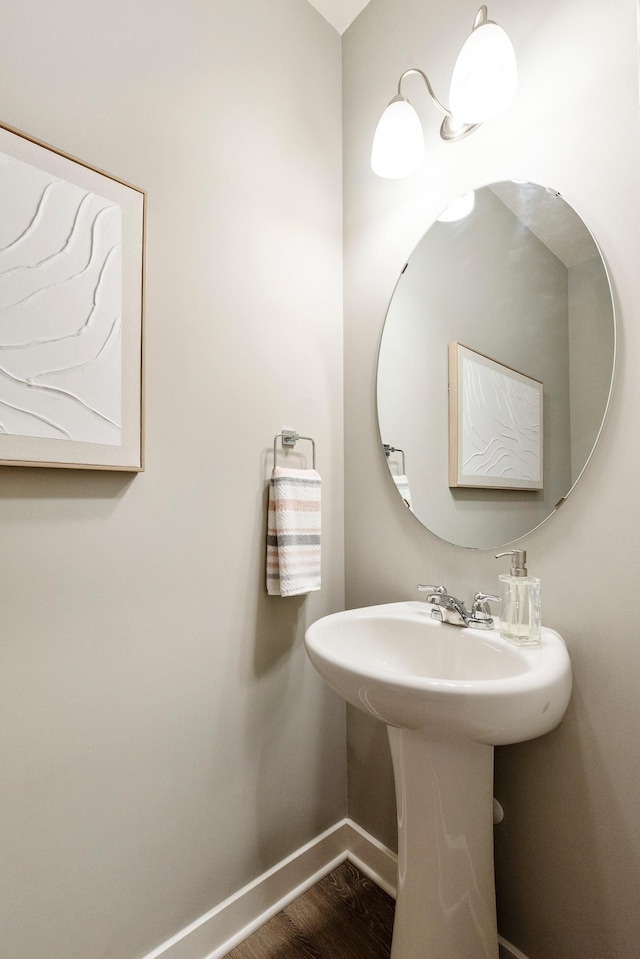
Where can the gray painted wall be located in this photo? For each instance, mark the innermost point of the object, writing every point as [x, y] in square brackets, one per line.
[163, 739]
[568, 852]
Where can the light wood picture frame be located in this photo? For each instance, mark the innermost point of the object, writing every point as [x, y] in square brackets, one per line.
[496, 436]
[71, 311]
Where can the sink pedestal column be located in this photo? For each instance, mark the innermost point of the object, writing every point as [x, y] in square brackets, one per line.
[446, 890]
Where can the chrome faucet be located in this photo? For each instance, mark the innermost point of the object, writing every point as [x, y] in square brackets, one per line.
[448, 609]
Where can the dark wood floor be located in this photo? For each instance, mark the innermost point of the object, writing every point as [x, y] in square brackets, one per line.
[344, 916]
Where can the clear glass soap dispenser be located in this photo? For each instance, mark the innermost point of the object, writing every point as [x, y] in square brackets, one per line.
[520, 595]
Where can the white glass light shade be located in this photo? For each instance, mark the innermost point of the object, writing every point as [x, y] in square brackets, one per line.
[398, 143]
[485, 77]
[462, 206]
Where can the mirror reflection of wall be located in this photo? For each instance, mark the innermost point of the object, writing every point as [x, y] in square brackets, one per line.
[521, 280]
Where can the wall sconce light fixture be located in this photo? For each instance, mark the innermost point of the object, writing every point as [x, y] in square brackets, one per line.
[483, 84]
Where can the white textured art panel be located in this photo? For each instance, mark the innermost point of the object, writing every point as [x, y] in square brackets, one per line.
[60, 308]
[71, 303]
[500, 425]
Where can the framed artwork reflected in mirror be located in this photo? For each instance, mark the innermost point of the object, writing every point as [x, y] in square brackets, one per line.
[495, 424]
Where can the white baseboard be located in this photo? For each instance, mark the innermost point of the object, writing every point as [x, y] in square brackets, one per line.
[219, 930]
[507, 951]
[371, 857]
[213, 935]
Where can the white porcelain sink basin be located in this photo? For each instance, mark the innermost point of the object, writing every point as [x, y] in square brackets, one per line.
[409, 670]
[448, 695]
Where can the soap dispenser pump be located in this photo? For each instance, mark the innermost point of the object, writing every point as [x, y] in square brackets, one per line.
[520, 595]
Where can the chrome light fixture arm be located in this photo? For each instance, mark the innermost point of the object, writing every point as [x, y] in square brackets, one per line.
[451, 129]
[482, 16]
[424, 76]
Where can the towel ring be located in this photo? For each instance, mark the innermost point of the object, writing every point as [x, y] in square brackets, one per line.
[289, 440]
[394, 449]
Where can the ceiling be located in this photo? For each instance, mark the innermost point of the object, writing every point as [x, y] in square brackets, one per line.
[339, 13]
[555, 223]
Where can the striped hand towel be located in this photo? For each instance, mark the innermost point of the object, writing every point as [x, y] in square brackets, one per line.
[403, 488]
[293, 532]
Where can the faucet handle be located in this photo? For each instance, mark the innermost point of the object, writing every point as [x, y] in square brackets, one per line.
[432, 590]
[480, 608]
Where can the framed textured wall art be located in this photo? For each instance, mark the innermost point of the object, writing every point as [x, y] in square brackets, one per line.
[495, 424]
[71, 291]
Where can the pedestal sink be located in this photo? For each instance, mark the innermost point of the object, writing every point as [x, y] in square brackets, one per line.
[448, 695]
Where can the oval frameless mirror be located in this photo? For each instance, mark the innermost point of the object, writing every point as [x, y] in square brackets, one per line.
[495, 366]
